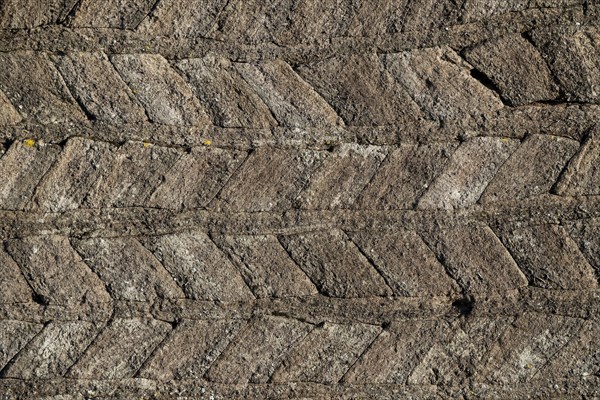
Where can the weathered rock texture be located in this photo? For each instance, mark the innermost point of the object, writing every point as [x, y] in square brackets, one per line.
[332, 199]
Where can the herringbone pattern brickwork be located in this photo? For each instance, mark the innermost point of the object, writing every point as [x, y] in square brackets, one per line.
[299, 199]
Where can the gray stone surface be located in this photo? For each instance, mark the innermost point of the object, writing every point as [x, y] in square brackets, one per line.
[468, 173]
[199, 267]
[361, 89]
[120, 349]
[181, 18]
[572, 55]
[269, 179]
[532, 338]
[13, 286]
[164, 94]
[22, 168]
[128, 270]
[135, 172]
[258, 350]
[326, 353]
[535, 249]
[587, 240]
[292, 101]
[409, 344]
[50, 353]
[34, 87]
[582, 175]
[292, 199]
[78, 168]
[477, 10]
[342, 177]
[266, 266]
[336, 266]
[111, 14]
[15, 335]
[439, 81]
[476, 259]
[405, 175]
[55, 271]
[516, 68]
[531, 170]
[190, 349]
[407, 264]
[8, 113]
[98, 87]
[16, 14]
[228, 98]
[195, 178]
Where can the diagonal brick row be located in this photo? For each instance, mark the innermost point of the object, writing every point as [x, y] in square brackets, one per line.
[486, 349]
[256, 21]
[500, 349]
[394, 87]
[451, 175]
[470, 260]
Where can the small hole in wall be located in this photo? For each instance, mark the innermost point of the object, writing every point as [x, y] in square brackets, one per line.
[484, 80]
[464, 306]
[40, 299]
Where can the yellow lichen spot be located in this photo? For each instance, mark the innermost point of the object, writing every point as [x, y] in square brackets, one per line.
[29, 142]
[207, 142]
[147, 144]
[504, 139]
